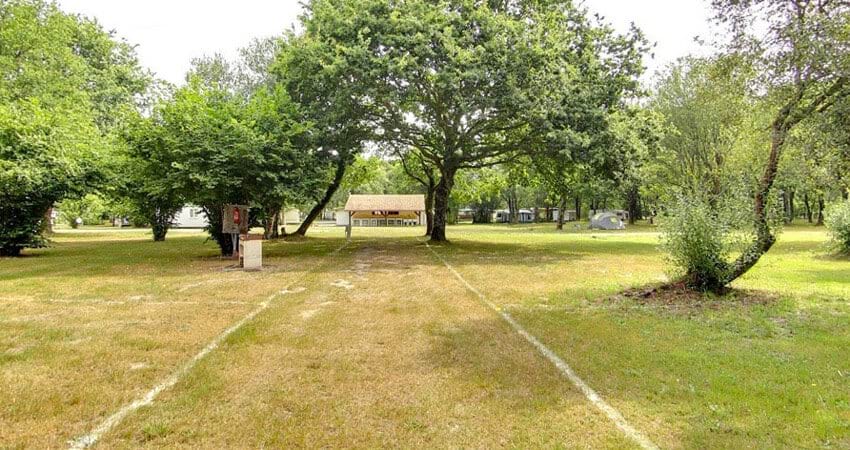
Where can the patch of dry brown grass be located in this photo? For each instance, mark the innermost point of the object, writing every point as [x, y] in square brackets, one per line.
[88, 326]
[400, 355]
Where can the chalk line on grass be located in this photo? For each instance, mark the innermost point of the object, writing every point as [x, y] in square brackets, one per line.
[110, 422]
[613, 414]
[343, 284]
[96, 301]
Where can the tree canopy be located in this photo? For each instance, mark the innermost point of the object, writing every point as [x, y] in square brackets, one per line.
[66, 85]
[470, 84]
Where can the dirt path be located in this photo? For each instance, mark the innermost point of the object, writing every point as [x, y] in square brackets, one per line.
[385, 349]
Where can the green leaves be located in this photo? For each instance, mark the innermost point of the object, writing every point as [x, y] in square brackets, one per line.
[66, 85]
[838, 222]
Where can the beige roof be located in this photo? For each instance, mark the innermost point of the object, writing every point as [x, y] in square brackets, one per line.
[385, 203]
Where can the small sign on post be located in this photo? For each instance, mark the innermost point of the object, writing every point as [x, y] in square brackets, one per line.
[234, 221]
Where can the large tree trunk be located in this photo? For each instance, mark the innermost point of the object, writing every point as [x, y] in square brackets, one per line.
[429, 206]
[214, 223]
[341, 165]
[513, 210]
[562, 213]
[441, 203]
[634, 204]
[791, 209]
[808, 207]
[270, 222]
[578, 207]
[820, 211]
[764, 236]
[785, 214]
[47, 224]
[276, 225]
[160, 223]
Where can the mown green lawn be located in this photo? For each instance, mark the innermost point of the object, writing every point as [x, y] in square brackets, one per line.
[765, 370]
[379, 345]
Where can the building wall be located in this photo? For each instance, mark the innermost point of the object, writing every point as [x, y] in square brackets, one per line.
[341, 218]
[365, 219]
[328, 214]
[570, 215]
[504, 216]
[291, 215]
[190, 216]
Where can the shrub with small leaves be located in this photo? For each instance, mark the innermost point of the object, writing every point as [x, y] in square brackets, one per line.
[838, 223]
[698, 239]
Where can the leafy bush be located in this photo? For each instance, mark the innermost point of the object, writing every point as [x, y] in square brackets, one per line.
[838, 223]
[22, 212]
[36, 169]
[699, 239]
[65, 85]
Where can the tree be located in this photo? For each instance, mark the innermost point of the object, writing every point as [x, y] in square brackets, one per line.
[810, 166]
[518, 189]
[578, 158]
[233, 133]
[473, 84]
[836, 126]
[66, 84]
[803, 57]
[226, 149]
[705, 104]
[142, 175]
[822, 147]
[481, 190]
[90, 209]
[367, 175]
[425, 174]
[637, 135]
[317, 71]
[291, 174]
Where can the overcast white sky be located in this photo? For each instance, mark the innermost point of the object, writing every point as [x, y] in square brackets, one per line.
[169, 33]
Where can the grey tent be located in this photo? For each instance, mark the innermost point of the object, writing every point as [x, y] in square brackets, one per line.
[607, 221]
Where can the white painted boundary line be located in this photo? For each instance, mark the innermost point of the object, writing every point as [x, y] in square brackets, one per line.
[104, 427]
[562, 366]
[136, 302]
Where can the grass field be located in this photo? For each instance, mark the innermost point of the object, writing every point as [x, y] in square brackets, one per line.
[377, 344]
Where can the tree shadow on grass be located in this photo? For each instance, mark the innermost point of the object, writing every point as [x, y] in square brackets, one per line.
[462, 252]
[143, 258]
[833, 256]
[136, 259]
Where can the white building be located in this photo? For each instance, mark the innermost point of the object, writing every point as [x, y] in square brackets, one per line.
[569, 215]
[291, 216]
[504, 216]
[382, 211]
[190, 216]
